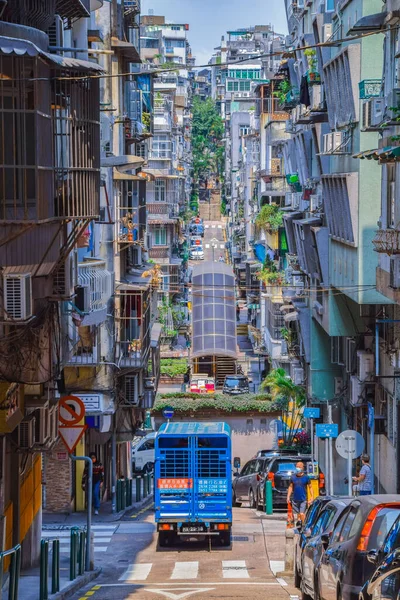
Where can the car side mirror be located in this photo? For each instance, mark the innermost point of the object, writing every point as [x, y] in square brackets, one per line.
[236, 462]
[372, 556]
[236, 474]
[325, 539]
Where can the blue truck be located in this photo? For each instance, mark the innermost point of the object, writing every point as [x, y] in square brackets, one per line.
[193, 475]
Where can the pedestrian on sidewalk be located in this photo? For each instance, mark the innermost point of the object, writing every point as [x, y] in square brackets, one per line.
[300, 484]
[97, 481]
[237, 312]
[364, 479]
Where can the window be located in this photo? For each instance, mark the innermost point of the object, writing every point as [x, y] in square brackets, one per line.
[160, 237]
[161, 147]
[330, 5]
[246, 469]
[160, 190]
[148, 445]
[339, 87]
[338, 528]
[238, 86]
[175, 28]
[244, 130]
[381, 527]
[323, 521]
[252, 467]
[347, 525]
[337, 206]
[391, 196]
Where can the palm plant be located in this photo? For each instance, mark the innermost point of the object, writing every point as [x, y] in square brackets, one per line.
[291, 397]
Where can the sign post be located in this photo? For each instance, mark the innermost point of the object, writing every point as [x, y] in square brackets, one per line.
[168, 413]
[312, 413]
[349, 445]
[327, 431]
[371, 426]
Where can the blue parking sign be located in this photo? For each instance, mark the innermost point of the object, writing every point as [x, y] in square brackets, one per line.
[311, 413]
[327, 430]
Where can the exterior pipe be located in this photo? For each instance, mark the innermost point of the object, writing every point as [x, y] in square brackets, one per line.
[377, 323]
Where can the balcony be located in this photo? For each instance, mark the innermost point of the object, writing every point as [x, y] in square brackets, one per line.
[387, 241]
[159, 252]
[93, 291]
[84, 346]
[370, 88]
[133, 319]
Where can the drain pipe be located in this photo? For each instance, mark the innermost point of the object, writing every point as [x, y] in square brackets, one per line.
[377, 323]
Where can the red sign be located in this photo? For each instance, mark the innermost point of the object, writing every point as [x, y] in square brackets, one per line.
[175, 484]
[71, 411]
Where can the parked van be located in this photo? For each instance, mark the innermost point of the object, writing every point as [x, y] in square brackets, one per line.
[202, 384]
[143, 454]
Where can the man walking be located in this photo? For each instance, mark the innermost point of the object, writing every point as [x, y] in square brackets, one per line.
[300, 484]
[364, 479]
[97, 481]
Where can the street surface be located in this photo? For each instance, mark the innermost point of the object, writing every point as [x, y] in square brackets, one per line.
[134, 567]
[212, 230]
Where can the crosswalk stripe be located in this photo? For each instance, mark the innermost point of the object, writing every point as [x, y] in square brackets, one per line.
[222, 246]
[137, 572]
[185, 570]
[234, 569]
[219, 226]
[207, 245]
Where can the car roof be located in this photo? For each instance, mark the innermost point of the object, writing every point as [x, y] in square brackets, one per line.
[376, 499]
[235, 377]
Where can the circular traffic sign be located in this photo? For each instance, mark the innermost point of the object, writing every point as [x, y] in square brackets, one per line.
[71, 410]
[349, 444]
[168, 412]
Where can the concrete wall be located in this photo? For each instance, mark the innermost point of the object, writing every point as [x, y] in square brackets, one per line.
[250, 433]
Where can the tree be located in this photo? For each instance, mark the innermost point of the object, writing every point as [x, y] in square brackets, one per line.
[292, 398]
[207, 136]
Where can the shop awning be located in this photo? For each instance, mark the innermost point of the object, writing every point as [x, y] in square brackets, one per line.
[386, 154]
[123, 162]
[155, 335]
[369, 24]
[159, 174]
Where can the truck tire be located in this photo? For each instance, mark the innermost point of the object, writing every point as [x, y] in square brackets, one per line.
[165, 538]
[225, 538]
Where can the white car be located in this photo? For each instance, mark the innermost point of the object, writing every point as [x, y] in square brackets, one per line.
[143, 453]
[196, 253]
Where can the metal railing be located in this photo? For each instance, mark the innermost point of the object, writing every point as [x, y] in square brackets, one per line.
[13, 571]
[133, 490]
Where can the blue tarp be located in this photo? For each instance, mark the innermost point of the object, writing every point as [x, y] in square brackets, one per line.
[260, 252]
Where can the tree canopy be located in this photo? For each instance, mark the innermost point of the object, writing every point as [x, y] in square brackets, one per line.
[207, 135]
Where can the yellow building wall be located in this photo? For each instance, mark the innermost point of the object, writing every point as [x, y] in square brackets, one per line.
[31, 497]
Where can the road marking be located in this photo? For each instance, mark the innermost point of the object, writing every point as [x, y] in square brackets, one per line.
[234, 569]
[246, 583]
[219, 226]
[140, 572]
[179, 596]
[212, 226]
[222, 246]
[281, 582]
[185, 570]
[206, 226]
[207, 245]
[277, 566]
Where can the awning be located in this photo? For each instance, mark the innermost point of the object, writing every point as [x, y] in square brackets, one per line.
[74, 9]
[367, 154]
[386, 154]
[159, 174]
[159, 220]
[369, 24]
[19, 47]
[286, 307]
[117, 175]
[127, 50]
[124, 162]
[292, 316]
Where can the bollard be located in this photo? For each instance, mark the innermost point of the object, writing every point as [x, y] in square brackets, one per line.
[55, 567]
[81, 553]
[138, 489]
[129, 492]
[145, 485]
[73, 556]
[123, 494]
[268, 497]
[117, 496]
[44, 570]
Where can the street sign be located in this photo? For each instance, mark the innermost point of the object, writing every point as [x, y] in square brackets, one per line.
[71, 436]
[350, 444]
[371, 415]
[71, 411]
[326, 430]
[311, 413]
[168, 412]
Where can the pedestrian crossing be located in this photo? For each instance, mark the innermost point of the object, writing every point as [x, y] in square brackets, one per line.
[185, 571]
[102, 535]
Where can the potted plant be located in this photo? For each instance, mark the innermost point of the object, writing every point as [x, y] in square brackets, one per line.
[134, 347]
[312, 74]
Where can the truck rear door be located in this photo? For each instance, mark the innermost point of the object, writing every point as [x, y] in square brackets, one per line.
[174, 477]
[212, 497]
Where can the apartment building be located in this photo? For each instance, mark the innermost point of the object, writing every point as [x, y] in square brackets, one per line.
[50, 197]
[331, 215]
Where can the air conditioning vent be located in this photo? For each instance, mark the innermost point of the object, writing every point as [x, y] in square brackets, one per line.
[356, 390]
[365, 365]
[65, 278]
[350, 358]
[315, 202]
[327, 32]
[42, 426]
[372, 113]
[26, 434]
[338, 382]
[131, 391]
[82, 299]
[17, 296]
[298, 375]
[56, 32]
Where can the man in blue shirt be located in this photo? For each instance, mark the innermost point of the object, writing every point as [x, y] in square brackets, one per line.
[300, 483]
[364, 478]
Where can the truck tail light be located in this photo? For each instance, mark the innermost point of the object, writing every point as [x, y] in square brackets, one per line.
[222, 526]
[166, 527]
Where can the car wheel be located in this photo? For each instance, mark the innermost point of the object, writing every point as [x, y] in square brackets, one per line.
[260, 505]
[316, 588]
[148, 468]
[297, 577]
[339, 592]
[305, 596]
[225, 538]
[234, 501]
[252, 501]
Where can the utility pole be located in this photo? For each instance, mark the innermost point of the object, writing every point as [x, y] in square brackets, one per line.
[330, 441]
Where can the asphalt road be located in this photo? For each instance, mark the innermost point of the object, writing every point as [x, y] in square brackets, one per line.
[135, 568]
[213, 234]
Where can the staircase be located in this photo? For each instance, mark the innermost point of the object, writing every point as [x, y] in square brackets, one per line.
[224, 366]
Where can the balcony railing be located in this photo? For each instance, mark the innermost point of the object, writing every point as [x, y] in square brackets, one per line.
[159, 252]
[84, 347]
[387, 241]
[95, 281]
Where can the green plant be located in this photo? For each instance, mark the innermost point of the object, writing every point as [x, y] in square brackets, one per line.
[270, 217]
[146, 121]
[282, 91]
[311, 55]
[271, 277]
[220, 403]
[285, 333]
[173, 366]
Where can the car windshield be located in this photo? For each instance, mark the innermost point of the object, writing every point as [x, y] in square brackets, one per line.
[235, 381]
[393, 539]
[287, 467]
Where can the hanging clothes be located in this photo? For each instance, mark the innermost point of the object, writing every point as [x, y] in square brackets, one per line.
[304, 92]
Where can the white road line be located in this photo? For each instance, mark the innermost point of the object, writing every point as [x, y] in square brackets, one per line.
[137, 571]
[282, 582]
[185, 570]
[234, 569]
[277, 566]
[206, 226]
[246, 583]
[219, 226]
[207, 245]
[212, 226]
[222, 246]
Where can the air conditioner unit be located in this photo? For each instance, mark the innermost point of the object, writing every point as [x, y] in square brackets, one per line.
[393, 101]
[365, 365]
[131, 390]
[317, 97]
[298, 375]
[327, 31]
[17, 296]
[319, 309]
[328, 143]
[56, 32]
[338, 385]
[338, 138]
[42, 426]
[356, 390]
[135, 255]
[394, 276]
[288, 198]
[66, 277]
[284, 348]
[26, 433]
[53, 423]
[372, 113]
[315, 202]
[350, 355]
[296, 199]
[289, 126]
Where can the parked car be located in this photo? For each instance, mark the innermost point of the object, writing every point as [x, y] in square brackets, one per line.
[313, 547]
[196, 229]
[245, 483]
[143, 454]
[196, 253]
[384, 583]
[303, 532]
[280, 470]
[195, 240]
[363, 526]
[271, 453]
[202, 384]
[235, 385]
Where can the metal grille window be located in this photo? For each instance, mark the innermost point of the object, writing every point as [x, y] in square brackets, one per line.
[160, 188]
[161, 147]
[275, 321]
[238, 86]
[160, 236]
[342, 86]
[209, 463]
[95, 277]
[339, 213]
[175, 463]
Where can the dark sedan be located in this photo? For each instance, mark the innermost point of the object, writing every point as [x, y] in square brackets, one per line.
[384, 583]
[363, 526]
[303, 532]
[314, 548]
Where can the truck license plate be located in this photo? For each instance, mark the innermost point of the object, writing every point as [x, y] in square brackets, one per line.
[192, 529]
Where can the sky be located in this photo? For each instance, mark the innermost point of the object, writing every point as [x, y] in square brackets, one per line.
[210, 19]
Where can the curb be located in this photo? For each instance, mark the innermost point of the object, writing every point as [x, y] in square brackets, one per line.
[75, 585]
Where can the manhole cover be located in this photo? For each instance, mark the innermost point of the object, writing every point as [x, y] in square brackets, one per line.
[240, 538]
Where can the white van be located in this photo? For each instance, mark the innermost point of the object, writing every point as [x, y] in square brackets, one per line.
[143, 454]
